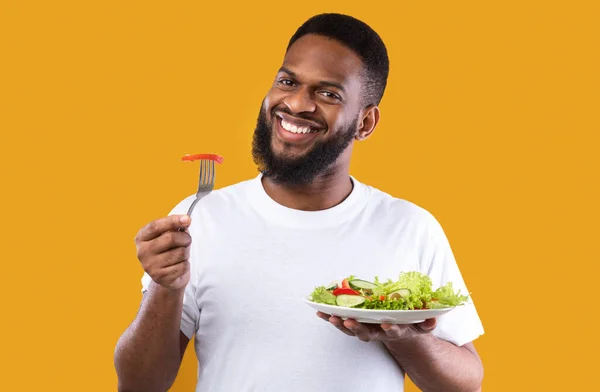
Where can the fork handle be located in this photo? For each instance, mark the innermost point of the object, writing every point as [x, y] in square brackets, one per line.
[189, 212]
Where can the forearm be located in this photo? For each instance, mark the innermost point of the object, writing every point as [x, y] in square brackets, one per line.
[147, 356]
[436, 365]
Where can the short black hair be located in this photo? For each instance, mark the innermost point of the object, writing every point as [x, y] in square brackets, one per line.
[359, 37]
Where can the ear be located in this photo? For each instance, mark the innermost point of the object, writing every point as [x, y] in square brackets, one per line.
[368, 121]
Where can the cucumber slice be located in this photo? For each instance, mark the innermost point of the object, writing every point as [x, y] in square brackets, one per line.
[358, 284]
[332, 286]
[399, 293]
[349, 301]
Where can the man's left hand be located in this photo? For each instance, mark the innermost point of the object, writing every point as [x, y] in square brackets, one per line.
[382, 332]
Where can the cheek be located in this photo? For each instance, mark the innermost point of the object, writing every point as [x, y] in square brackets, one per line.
[267, 101]
[273, 99]
[336, 118]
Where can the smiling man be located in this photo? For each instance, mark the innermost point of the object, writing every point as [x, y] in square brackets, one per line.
[235, 277]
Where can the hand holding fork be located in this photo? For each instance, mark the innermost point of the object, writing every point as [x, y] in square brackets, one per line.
[163, 245]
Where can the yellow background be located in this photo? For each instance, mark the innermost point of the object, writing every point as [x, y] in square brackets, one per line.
[490, 121]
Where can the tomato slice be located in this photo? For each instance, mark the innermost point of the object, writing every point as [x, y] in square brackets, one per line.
[343, 290]
[195, 157]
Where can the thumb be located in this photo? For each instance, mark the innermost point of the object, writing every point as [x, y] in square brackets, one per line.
[426, 326]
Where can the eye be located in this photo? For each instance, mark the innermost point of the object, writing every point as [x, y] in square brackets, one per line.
[330, 95]
[286, 83]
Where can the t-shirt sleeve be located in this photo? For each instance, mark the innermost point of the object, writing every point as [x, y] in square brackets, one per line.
[462, 324]
[191, 312]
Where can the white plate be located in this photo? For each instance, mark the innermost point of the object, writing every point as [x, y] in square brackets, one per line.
[372, 316]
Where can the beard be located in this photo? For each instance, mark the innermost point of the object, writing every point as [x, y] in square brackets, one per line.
[301, 170]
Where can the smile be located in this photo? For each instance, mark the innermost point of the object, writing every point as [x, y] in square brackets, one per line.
[297, 129]
[291, 131]
[297, 126]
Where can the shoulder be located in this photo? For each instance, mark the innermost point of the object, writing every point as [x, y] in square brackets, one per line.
[386, 207]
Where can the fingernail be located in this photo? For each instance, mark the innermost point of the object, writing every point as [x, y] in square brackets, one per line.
[184, 219]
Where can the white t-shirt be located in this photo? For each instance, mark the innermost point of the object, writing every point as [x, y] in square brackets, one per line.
[253, 260]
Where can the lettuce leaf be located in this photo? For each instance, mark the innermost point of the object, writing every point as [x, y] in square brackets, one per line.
[445, 295]
[321, 295]
[418, 283]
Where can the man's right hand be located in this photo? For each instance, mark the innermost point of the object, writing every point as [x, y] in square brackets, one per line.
[164, 251]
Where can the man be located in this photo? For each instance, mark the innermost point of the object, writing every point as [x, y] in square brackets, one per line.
[235, 278]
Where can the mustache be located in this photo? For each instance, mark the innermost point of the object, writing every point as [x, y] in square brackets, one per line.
[303, 116]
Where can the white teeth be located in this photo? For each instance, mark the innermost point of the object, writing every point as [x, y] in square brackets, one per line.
[293, 128]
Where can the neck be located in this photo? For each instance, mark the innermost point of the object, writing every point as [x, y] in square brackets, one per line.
[326, 191]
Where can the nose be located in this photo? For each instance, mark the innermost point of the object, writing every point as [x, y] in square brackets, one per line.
[299, 101]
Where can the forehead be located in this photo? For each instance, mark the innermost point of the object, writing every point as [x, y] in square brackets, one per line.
[322, 58]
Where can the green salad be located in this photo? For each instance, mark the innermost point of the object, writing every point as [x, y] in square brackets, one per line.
[412, 291]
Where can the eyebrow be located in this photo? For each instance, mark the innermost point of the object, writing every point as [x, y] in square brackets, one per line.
[322, 82]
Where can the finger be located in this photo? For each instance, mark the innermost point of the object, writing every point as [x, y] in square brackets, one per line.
[339, 324]
[323, 316]
[173, 257]
[169, 274]
[159, 226]
[426, 326]
[170, 240]
[361, 331]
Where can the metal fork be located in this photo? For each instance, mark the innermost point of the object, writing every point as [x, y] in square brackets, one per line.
[206, 183]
